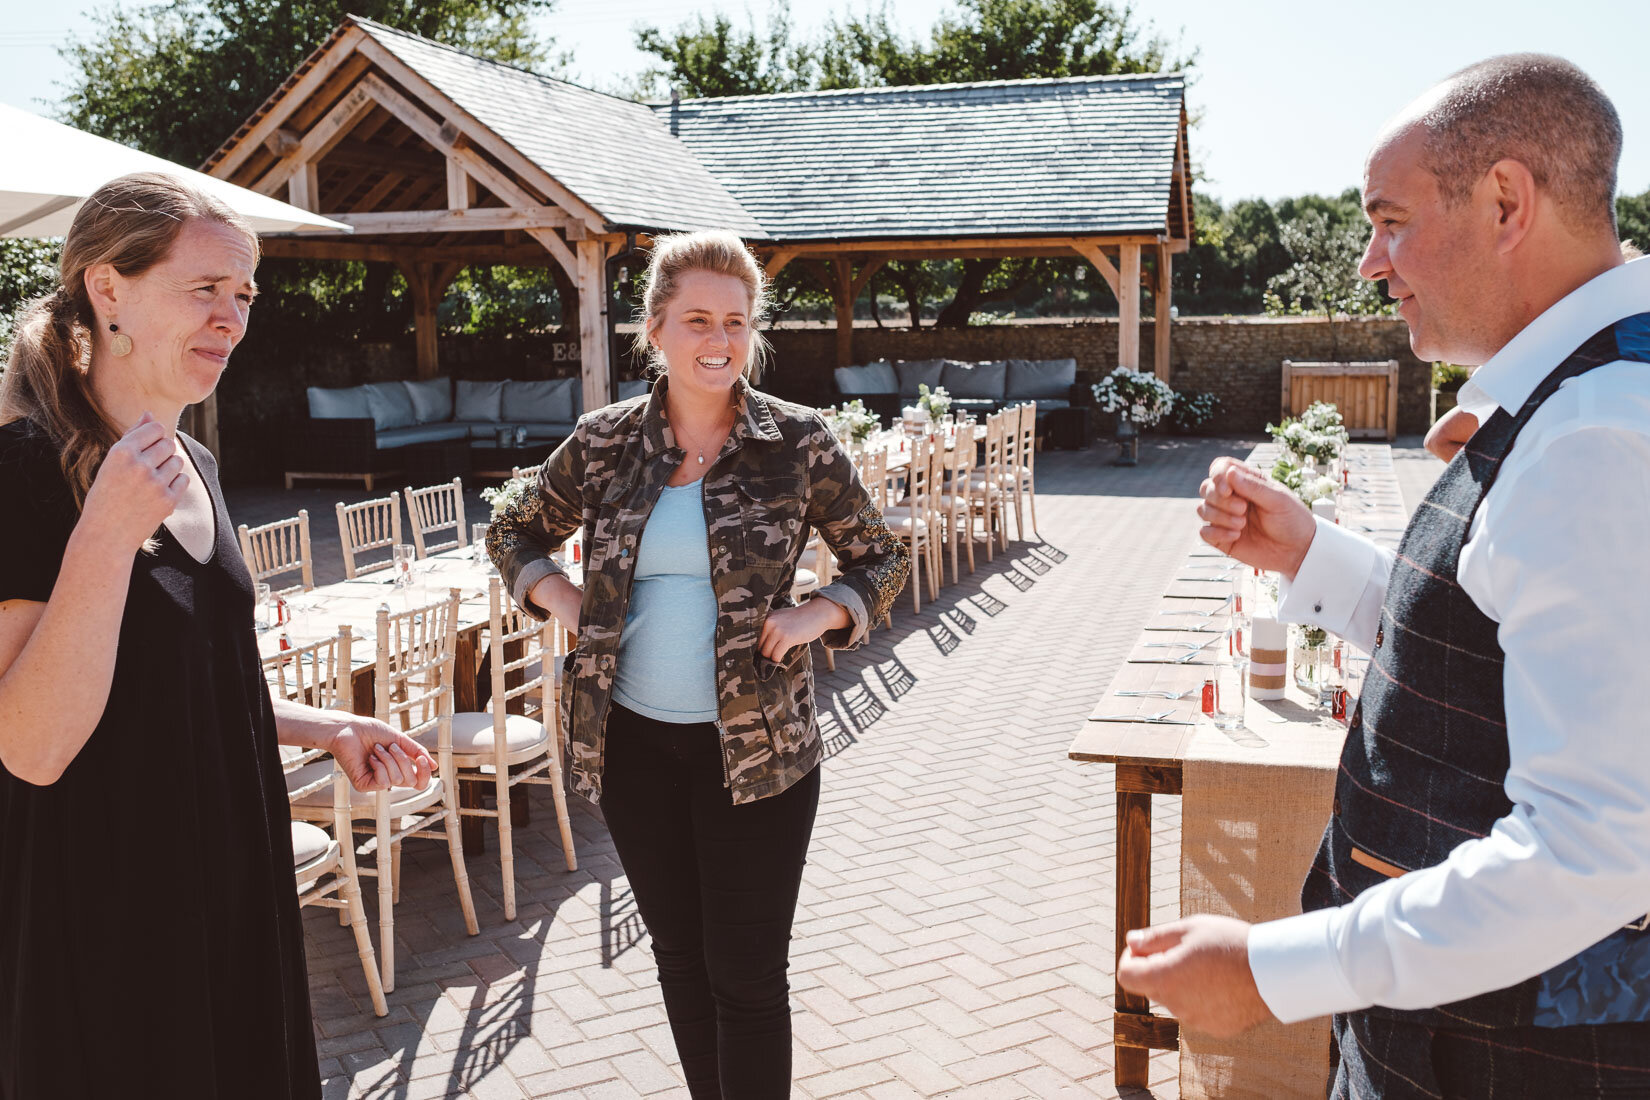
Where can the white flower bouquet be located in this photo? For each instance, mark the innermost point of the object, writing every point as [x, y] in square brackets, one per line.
[853, 423]
[937, 401]
[1135, 395]
[501, 497]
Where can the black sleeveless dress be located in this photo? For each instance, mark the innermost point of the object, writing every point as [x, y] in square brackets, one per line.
[150, 942]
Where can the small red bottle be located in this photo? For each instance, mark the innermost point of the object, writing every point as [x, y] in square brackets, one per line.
[1208, 697]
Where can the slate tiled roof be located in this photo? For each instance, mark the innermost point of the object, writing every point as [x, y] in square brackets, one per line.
[1020, 157]
[616, 155]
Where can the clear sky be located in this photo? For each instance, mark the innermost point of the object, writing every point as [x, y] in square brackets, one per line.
[1289, 92]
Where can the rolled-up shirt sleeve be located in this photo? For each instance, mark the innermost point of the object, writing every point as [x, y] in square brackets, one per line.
[522, 537]
[874, 560]
[1570, 863]
[1340, 586]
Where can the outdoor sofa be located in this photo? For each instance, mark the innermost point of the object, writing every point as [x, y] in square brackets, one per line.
[381, 428]
[980, 388]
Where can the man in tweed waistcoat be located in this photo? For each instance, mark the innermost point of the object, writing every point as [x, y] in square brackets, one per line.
[1475, 917]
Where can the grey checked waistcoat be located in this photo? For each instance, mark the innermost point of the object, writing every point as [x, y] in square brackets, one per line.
[1426, 753]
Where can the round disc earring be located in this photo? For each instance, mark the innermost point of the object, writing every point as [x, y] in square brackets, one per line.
[121, 345]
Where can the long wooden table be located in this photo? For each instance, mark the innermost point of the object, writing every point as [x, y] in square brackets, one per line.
[1292, 743]
[354, 603]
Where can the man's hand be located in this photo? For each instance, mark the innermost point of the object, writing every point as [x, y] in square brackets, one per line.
[1451, 433]
[376, 757]
[1197, 968]
[1254, 519]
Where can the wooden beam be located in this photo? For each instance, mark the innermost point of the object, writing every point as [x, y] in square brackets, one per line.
[286, 101]
[559, 251]
[301, 248]
[428, 282]
[864, 276]
[303, 187]
[776, 262]
[1133, 910]
[1161, 294]
[1108, 272]
[592, 283]
[483, 219]
[480, 135]
[350, 153]
[1128, 304]
[282, 143]
[965, 246]
[316, 142]
[842, 294]
[461, 187]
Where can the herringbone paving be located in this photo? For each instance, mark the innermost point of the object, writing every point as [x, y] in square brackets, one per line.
[954, 933]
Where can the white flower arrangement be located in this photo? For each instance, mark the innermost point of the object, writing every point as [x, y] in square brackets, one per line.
[1138, 396]
[937, 401]
[853, 422]
[502, 496]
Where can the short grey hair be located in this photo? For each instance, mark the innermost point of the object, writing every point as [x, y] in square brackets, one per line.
[1539, 110]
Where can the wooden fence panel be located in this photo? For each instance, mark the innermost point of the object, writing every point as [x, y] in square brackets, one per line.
[1365, 393]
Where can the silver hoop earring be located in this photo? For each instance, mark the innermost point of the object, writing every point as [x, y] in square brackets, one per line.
[120, 344]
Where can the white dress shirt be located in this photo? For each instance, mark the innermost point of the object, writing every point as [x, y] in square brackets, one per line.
[1558, 554]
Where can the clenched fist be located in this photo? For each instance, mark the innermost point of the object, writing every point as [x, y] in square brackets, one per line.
[141, 481]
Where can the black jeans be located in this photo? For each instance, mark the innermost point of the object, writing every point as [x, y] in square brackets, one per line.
[716, 885]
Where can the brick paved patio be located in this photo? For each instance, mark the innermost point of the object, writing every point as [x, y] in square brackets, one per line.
[954, 932]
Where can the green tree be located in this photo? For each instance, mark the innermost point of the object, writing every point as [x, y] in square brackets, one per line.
[710, 58]
[28, 269]
[1633, 219]
[1323, 276]
[176, 79]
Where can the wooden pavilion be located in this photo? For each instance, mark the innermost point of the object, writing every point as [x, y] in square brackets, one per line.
[439, 159]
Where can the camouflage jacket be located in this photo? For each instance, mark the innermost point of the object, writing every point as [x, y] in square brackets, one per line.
[780, 472]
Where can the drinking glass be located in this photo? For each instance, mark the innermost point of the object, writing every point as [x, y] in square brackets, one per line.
[1231, 693]
[264, 611]
[478, 543]
[403, 554]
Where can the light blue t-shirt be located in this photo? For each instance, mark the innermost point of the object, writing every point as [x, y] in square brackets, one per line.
[667, 652]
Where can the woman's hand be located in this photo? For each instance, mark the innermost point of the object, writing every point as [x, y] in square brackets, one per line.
[1253, 519]
[561, 598]
[789, 627]
[140, 483]
[377, 757]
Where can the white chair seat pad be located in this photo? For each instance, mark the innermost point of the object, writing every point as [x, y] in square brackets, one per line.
[902, 524]
[402, 799]
[309, 843]
[806, 581]
[473, 734]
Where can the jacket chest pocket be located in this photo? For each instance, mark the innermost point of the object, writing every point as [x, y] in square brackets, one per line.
[771, 514]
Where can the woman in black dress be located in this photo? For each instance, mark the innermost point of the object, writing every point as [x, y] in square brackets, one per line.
[150, 943]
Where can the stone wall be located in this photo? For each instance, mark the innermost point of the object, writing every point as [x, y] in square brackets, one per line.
[1237, 358]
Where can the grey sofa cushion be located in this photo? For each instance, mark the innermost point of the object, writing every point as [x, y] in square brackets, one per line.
[982, 380]
[391, 405]
[542, 432]
[432, 400]
[1044, 404]
[480, 429]
[419, 433]
[878, 377]
[917, 372]
[633, 388]
[349, 403]
[477, 400]
[550, 400]
[1036, 379]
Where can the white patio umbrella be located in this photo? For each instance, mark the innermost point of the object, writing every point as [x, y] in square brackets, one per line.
[49, 169]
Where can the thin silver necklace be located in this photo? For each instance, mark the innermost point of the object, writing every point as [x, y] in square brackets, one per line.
[700, 450]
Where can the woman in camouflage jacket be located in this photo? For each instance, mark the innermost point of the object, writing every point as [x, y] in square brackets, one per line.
[688, 700]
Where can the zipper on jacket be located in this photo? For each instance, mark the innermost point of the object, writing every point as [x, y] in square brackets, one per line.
[721, 735]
